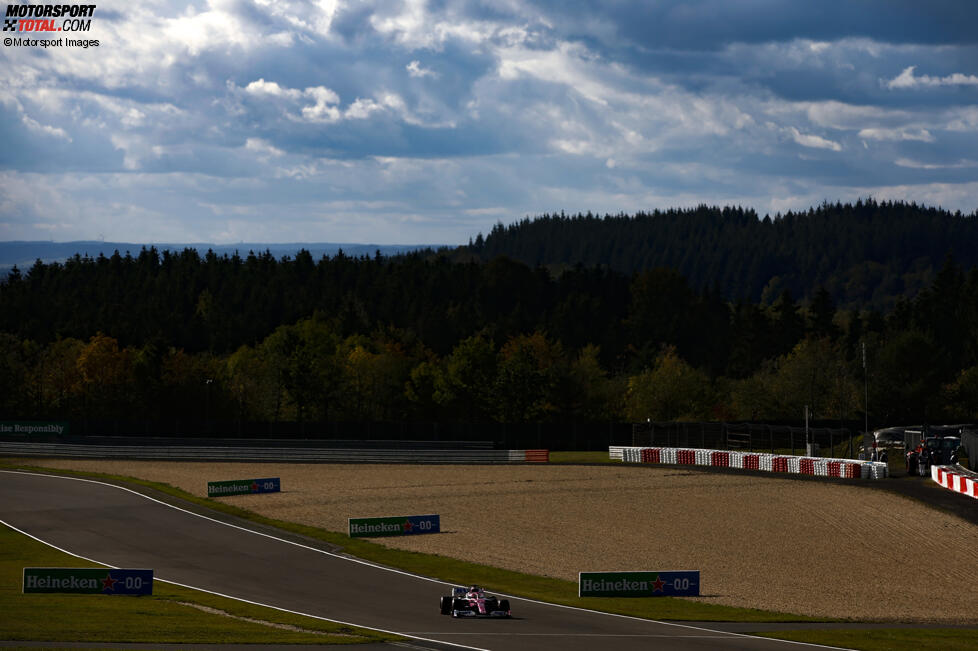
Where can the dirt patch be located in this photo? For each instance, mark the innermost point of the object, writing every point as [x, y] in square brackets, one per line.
[811, 548]
[252, 620]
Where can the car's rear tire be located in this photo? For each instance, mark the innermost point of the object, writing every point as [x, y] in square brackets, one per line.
[446, 605]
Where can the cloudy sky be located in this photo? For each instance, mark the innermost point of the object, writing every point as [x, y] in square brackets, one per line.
[417, 121]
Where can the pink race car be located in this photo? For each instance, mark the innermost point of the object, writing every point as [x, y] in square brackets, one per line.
[473, 602]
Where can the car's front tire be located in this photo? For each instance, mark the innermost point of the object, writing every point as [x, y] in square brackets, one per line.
[446, 605]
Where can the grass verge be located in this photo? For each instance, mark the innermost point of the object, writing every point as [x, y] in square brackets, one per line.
[544, 589]
[450, 570]
[887, 639]
[171, 615]
[558, 456]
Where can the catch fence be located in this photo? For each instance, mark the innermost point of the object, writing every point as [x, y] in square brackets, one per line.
[750, 437]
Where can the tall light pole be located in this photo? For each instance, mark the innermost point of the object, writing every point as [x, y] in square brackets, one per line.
[809, 448]
[866, 397]
[207, 406]
[865, 390]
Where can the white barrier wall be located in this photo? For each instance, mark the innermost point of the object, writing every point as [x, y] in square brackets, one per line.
[843, 468]
[261, 454]
[956, 478]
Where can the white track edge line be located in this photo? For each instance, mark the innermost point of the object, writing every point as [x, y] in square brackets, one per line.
[325, 619]
[294, 612]
[402, 572]
[241, 599]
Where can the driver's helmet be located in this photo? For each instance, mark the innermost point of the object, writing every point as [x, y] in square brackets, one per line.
[476, 589]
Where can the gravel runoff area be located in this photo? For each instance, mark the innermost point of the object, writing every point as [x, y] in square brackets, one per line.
[819, 548]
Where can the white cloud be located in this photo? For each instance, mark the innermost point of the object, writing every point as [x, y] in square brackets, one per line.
[46, 129]
[262, 87]
[326, 107]
[581, 147]
[907, 79]
[260, 146]
[813, 141]
[216, 28]
[963, 119]
[417, 28]
[325, 100]
[324, 110]
[569, 64]
[362, 109]
[923, 135]
[416, 70]
[832, 114]
[962, 163]
[315, 18]
[135, 149]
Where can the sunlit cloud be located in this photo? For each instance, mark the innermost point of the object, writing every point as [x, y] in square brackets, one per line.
[907, 79]
[811, 140]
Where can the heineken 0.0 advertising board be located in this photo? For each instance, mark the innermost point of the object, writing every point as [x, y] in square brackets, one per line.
[401, 525]
[243, 487]
[639, 584]
[88, 580]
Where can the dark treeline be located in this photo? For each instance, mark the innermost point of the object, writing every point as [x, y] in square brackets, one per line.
[866, 255]
[218, 303]
[422, 338]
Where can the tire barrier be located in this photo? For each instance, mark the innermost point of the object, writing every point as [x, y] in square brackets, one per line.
[536, 456]
[761, 461]
[720, 459]
[262, 454]
[956, 478]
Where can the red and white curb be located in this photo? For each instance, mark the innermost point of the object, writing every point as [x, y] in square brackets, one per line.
[956, 479]
[816, 466]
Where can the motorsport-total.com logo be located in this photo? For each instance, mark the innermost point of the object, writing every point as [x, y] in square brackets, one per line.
[48, 18]
[43, 21]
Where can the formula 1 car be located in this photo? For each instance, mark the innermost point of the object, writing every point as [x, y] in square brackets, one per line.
[473, 602]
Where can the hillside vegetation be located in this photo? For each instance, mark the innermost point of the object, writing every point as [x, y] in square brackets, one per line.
[425, 337]
[866, 255]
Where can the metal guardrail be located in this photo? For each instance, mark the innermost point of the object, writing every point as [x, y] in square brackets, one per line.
[260, 454]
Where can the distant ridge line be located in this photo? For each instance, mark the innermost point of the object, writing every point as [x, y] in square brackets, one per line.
[24, 253]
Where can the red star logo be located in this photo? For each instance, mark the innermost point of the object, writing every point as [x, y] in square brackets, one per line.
[658, 584]
[108, 583]
[254, 487]
[408, 526]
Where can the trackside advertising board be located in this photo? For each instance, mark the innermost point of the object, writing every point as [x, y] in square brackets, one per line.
[243, 487]
[88, 580]
[401, 525]
[639, 584]
[25, 428]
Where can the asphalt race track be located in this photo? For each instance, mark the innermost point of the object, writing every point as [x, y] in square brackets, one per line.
[121, 528]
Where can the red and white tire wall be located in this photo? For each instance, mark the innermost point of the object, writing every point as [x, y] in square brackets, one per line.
[956, 479]
[816, 466]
